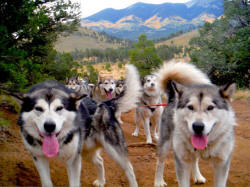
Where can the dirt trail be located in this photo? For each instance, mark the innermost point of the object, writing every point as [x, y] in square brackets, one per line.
[17, 168]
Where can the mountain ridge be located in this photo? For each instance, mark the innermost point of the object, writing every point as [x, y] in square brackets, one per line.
[155, 20]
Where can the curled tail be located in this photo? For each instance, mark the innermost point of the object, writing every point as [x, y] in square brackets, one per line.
[128, 100]
[181, 72]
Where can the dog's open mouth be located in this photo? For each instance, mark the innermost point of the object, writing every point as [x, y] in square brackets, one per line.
[199, 141]
[109, 94]
[50, 145]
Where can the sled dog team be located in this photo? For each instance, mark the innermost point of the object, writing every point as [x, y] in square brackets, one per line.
[197, 123]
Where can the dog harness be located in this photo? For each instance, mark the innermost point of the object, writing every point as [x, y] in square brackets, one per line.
[149, 107]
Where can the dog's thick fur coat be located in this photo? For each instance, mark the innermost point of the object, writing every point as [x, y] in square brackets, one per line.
[151, 96]
[53, 123]
[198, 122]
[105, 89]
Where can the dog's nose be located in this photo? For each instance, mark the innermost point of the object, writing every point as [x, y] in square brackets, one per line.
[198, 127]
[49, 127]
[110, 89]
[152, 84]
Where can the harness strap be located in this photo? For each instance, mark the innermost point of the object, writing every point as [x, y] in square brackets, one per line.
[149, 106]
[152, 105]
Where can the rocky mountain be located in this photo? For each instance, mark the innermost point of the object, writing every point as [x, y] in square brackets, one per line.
[155, 20]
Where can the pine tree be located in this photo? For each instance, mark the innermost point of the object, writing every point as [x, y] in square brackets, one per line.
[144, 56]
[223, 47]
[28, 30]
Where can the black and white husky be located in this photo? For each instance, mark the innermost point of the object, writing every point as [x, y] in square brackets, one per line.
[198, 122]
[53, 124]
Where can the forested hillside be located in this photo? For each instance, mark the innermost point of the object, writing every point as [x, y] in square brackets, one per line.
[85, 38]
[222, 49]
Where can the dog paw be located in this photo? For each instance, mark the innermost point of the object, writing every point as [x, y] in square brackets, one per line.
[156, 137]
[134, 134]
[120, 121]
[199, 180]
[98, 183]
[160, 183]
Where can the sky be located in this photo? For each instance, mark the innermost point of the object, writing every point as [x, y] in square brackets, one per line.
[90, 7]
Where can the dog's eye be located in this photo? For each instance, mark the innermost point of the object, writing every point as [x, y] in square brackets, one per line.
[148, 80]
[59, 108]
[39, 109]
[190, 107]
[210, 107]
[105, 83]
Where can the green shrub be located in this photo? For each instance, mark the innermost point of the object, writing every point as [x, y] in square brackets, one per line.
[144, 56]
[107, 66]
[91, 75]
[10, 103]
[119, 65]
[3, 121]
[223, 48]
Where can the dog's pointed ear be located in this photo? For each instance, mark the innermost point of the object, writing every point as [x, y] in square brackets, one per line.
[170, 91]
[91, 86]
[227, 91]
[19, 96]
[178, 88]
[99, 78]
[142, 81]
[78, 78]
[76, 96]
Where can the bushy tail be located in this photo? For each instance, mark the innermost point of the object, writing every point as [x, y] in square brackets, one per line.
[132, 92]
[181, 72]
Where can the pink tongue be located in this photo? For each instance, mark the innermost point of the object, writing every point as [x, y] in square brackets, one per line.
[109, 95]
[50, 146]
[199, 142]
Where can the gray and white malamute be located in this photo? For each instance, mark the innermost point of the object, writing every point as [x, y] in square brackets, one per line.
[151, 96]
[53, 123]
[198, 122]
[79, 85]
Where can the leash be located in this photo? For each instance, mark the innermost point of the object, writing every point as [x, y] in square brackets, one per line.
[152, 105]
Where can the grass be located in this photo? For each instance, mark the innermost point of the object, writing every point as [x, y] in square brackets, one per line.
[3, 121]
[10, 103]
[181, 40]
[73, 42]
[82, 39]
